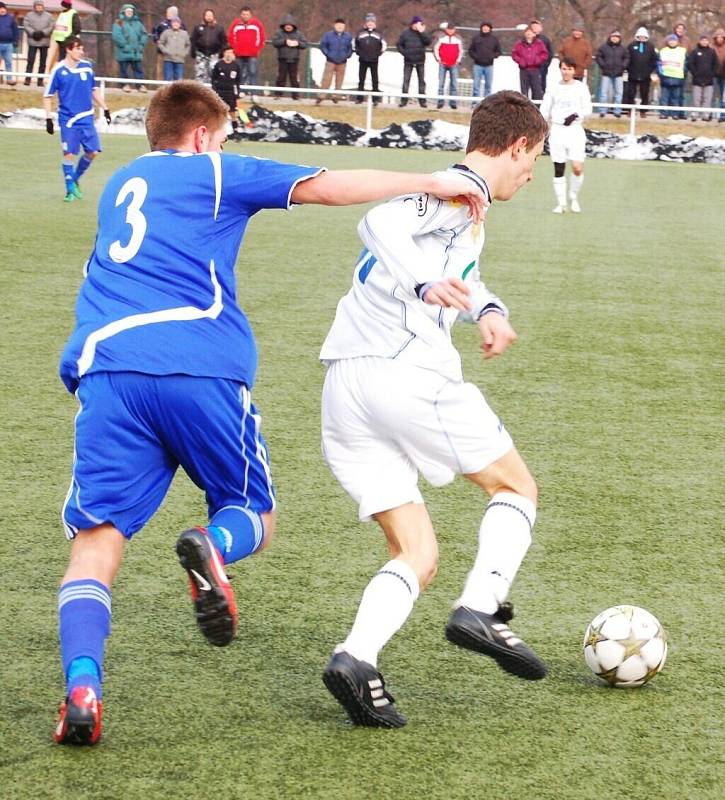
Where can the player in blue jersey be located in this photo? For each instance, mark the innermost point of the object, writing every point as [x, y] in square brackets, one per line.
[74, 83]
[162, 361]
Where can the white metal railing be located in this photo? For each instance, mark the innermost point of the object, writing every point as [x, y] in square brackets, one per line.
[388, 98]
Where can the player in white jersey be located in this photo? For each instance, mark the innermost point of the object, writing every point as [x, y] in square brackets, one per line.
[395, 404]
[565, 105]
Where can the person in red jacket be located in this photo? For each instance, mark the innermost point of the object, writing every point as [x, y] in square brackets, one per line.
[530, 53]
[247, 36]
[448, 52]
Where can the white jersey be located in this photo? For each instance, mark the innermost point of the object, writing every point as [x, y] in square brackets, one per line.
[409, 242]
[563, 99]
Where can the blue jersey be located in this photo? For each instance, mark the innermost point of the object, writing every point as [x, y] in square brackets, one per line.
[74, 86]
[160, 295]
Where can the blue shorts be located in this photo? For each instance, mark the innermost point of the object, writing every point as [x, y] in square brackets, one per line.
[132, 431]
[72, 138]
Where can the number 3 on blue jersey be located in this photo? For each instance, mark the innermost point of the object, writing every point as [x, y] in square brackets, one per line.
[137, 188]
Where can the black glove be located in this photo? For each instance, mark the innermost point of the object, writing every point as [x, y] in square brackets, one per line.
[107, 115]
[570, 119]
[49, 125]
[37, 35]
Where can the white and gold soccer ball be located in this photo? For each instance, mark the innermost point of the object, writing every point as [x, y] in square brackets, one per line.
[625, 646]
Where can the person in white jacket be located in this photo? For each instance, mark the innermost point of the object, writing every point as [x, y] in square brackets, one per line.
[395, 404]
[565, 105]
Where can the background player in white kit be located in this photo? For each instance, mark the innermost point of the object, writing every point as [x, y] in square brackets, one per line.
[565, 105]
[395, 404]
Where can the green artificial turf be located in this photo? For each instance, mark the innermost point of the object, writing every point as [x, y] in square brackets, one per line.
[614, 395]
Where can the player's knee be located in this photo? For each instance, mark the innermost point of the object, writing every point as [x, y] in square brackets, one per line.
[269, 521]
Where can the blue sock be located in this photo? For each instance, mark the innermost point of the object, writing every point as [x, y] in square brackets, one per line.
[84, 615]
[237, 532]
[83, 163]
[68, 175]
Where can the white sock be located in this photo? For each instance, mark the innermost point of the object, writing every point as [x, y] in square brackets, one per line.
[560, 191]
[385, 605]
[503, 539]
[575, 183]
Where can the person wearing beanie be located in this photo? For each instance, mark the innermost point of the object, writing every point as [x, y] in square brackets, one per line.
[67, 24]
[579, 48]
[702, 65]
[613, 60]
[369, 45]
[9, 37]
[129, 39]
[642, 62]
[38, 25]
[411, 45]
[484, 49]
[671, 68]
[718, 45]
[175, 46]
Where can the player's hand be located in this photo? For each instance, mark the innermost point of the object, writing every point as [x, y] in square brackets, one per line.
[107, 115]
[496, 334]
[448, 293]
[462, 191]
[49, 125]
[570, 119]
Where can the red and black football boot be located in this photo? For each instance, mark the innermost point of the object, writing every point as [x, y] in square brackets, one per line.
[216, 609]
[79, 718]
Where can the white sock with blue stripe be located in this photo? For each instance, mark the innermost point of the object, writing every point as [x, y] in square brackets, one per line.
[385, 606]
[503, 539]
[237, 532]
[84, 616]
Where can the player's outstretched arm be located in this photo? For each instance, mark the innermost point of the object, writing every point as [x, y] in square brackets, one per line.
[497, 334]
[348, 187]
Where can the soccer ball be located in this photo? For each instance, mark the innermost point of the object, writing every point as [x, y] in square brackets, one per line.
[625, 646]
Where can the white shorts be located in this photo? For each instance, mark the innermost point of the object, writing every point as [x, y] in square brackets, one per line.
[383, 422]
[567, 143]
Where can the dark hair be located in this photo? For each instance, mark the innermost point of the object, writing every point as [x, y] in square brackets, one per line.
[245, 8]
[340, 19]
[227, 47]
[501, 119]
[567, 61]
[72, 42]
[180, 107]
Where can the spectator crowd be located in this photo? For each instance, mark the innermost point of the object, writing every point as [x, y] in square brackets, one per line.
[626, 71]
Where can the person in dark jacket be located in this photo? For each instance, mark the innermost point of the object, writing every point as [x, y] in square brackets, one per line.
[9, 36]
[38, 25]
[642, 62]
[411, 45]
[530, 53]
[538, 28]
[484, 50]
[336, 46]
[129, 39]
[613, 60]
[702, 65]
[225, 82]
[369, 46]
[208, 41]
[289, 43]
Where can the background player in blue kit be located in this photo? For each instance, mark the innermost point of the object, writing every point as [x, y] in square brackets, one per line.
[162, 362]
[74, 83]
